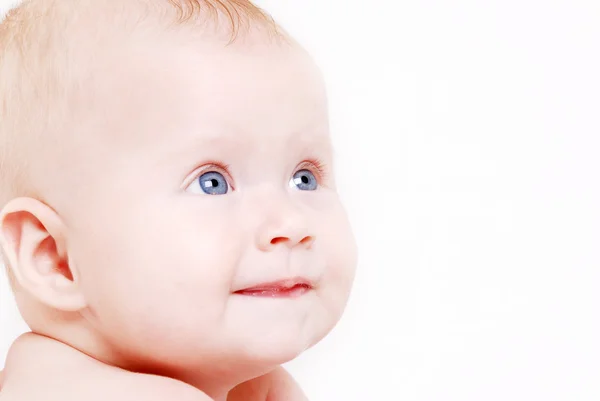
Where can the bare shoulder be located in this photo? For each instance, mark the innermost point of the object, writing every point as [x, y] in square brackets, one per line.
[150, 388]
[42, 369]
[113, 387]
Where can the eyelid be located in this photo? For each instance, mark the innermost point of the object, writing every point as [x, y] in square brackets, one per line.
[317, 167]
[205, 168]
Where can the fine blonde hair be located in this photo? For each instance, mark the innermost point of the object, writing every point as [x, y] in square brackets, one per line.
[40, 49]
[42, 43]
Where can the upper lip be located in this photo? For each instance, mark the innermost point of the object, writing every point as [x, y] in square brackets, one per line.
[280, 285]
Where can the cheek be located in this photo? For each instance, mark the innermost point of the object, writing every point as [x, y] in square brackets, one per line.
[150, 272]
[340, 254]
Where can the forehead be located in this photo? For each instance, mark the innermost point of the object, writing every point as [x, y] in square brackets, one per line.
[161, 93]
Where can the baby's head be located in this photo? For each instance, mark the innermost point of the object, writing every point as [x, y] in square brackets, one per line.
[157, 173]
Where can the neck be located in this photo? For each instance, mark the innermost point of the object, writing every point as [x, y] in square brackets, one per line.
[216, 391]
[225, 386]
[215, 381]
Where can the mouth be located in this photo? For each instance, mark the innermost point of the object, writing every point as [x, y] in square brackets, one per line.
[290, 288]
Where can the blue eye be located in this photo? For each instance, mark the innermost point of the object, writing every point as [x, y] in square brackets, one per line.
[304, 180]
[211, 183]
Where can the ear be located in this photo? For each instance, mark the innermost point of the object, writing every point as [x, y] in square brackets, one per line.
[32, 237]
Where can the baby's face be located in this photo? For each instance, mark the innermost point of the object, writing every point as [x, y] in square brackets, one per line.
[204, 175]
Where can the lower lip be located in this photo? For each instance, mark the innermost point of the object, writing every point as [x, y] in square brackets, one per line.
[292, 292]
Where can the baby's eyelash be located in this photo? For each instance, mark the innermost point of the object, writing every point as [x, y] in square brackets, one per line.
[209, 166]
[315, 164]
[318, 165]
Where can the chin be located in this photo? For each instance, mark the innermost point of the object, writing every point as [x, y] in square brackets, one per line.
[276, 352]
[275, 331]
[276, 348]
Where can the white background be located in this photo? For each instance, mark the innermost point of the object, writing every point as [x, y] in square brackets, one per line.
[468, 138]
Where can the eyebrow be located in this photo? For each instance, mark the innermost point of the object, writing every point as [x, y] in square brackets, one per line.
[311, 142]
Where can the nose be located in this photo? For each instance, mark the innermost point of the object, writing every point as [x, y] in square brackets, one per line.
[284, 225]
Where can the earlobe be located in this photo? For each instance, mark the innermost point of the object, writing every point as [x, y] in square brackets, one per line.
[32, 237]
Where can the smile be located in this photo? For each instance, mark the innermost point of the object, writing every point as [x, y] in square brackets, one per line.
[290, 288]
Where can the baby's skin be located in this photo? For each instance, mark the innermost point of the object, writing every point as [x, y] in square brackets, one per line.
[182, 236]
[44, 369]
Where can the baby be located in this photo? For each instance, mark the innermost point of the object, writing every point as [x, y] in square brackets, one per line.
[169, 215]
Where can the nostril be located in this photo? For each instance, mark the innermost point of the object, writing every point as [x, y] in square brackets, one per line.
[277, 240]
[307, 240]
